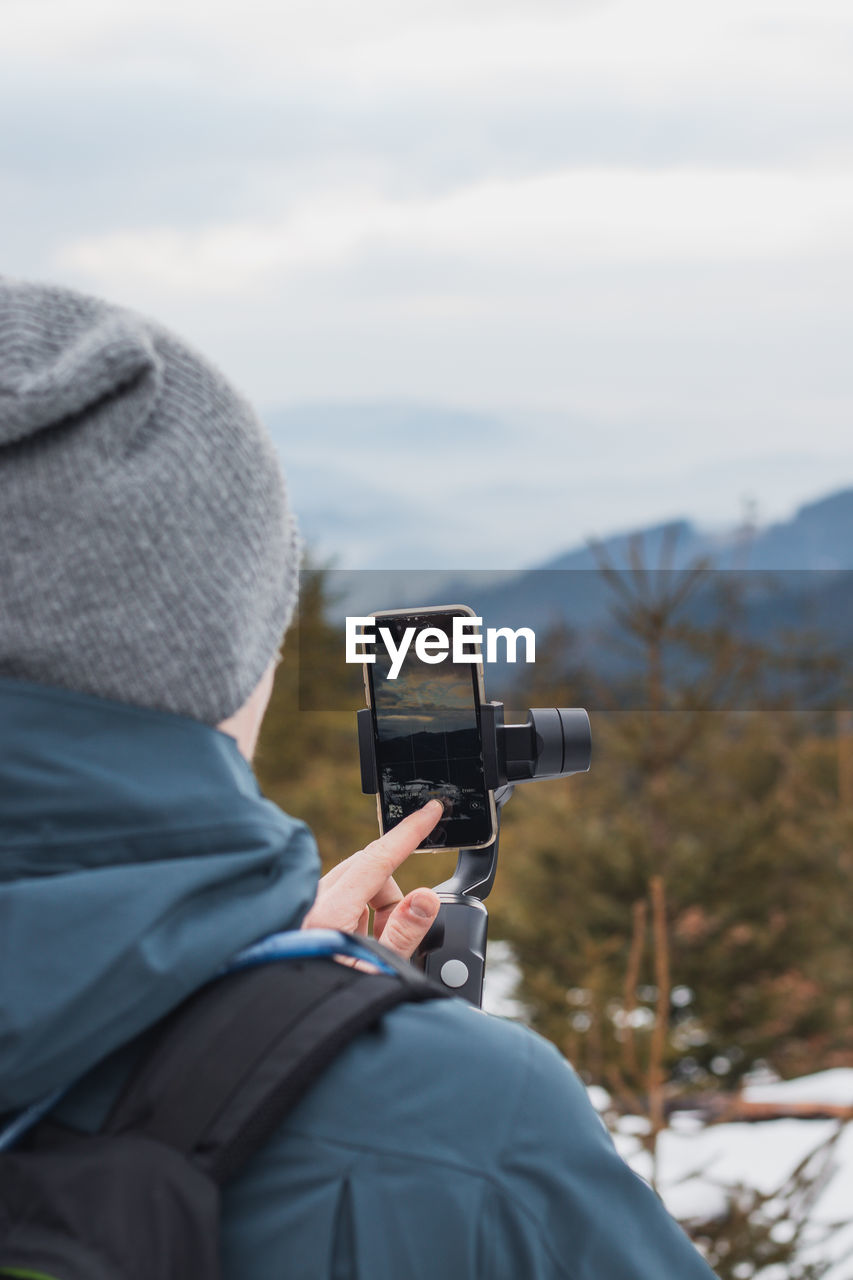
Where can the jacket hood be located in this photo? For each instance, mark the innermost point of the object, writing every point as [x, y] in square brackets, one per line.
[137, 855]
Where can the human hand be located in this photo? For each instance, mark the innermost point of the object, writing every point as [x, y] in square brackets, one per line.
[366, 880]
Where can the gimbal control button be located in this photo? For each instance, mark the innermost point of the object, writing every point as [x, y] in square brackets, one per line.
[454, 973]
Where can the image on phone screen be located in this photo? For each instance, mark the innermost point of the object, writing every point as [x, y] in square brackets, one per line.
[427, 736]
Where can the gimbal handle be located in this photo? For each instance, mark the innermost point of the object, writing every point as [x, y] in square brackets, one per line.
[454, 950]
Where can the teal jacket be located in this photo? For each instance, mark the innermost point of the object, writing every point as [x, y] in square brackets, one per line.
[137, 855]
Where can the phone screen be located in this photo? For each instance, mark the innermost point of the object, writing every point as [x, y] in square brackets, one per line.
[427, 735]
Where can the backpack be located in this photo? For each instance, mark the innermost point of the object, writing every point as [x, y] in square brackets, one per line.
[140, 1198]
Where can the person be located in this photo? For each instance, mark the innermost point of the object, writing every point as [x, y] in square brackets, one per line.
[148, 575]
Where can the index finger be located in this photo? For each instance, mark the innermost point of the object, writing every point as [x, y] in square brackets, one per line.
[365, 873]
[405, 837]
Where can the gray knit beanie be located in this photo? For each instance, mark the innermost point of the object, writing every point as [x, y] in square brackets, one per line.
[147, 552]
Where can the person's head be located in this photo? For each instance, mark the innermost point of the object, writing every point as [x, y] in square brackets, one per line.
[148, 551]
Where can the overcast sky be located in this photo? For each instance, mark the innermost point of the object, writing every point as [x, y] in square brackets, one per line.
[620, 234]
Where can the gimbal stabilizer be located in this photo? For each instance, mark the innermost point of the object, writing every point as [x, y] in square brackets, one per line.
[553, 743]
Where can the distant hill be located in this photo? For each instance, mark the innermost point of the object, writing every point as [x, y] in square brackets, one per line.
[795, 575]
[819, 536]
[803, 554]
[683, 537]
[429, 486]
[338, 460]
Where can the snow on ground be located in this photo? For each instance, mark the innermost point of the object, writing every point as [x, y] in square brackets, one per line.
[832, 1087]
[694, 1159]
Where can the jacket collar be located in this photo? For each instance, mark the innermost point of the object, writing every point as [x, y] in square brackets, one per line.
[75, 769]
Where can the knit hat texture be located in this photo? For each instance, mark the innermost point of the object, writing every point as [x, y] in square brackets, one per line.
[147, 550]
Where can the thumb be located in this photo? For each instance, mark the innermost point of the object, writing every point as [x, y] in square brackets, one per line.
[410, 921]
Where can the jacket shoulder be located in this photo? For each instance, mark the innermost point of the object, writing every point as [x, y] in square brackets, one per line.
[453, 1142]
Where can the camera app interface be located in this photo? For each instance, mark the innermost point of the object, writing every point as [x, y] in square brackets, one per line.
[428, 742]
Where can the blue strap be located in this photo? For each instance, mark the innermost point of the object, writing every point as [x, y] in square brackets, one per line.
[293, 944]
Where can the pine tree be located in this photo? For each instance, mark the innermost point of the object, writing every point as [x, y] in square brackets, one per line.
[679, 913]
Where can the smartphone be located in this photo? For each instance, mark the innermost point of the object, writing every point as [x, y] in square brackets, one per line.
[427, 732]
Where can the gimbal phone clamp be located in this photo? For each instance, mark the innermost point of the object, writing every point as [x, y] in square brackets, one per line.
[554, 742]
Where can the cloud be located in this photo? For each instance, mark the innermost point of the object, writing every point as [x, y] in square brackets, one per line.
[582, 217]
[449, 91]
[453, 45]
[632, 218]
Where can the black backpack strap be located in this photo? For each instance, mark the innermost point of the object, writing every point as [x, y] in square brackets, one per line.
[230, 1063]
